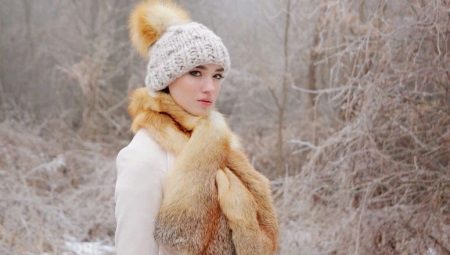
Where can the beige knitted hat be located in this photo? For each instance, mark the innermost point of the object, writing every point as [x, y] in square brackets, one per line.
[163, 32]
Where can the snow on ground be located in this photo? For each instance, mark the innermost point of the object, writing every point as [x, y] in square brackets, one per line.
[89, 248]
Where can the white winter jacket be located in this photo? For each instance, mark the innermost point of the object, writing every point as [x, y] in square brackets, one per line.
[141, 169]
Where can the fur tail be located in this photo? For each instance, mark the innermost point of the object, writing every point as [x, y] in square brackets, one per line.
[150, 19]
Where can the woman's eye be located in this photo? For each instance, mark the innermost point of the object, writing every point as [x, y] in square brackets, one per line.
[195, 73]
[218, 76]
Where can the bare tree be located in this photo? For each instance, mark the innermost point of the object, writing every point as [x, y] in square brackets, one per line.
[374, 186]
[281, 101]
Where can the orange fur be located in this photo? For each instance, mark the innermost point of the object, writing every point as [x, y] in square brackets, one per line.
[150, 19]
[190, 209]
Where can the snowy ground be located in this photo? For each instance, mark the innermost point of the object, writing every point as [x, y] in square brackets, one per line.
[89, 248]
[86, 248]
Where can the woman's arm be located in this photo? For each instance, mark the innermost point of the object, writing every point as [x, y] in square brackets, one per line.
[138, 194]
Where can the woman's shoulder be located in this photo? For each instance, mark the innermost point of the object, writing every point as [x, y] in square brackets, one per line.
[140, 171]
[142, 150]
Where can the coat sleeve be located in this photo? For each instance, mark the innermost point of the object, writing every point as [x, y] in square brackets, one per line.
[138, 193]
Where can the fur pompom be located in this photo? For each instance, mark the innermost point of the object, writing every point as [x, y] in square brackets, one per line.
[150, 19]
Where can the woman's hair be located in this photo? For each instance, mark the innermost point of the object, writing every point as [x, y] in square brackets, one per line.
[166, 90]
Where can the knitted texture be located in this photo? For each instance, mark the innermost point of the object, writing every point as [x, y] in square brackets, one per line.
[180, 49]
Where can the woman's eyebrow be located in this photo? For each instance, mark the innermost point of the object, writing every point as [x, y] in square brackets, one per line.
[220, 69]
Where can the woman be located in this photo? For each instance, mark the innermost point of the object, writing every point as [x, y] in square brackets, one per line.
[184, 184]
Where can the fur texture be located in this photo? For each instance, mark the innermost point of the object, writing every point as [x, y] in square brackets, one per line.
[191, 219]
[150, 19]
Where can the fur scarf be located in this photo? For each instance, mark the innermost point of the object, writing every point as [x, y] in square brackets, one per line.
[191, 219]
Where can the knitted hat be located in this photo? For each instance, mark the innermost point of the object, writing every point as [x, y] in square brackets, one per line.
[163, 32]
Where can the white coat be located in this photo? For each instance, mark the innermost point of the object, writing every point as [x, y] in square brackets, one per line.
[141, 169]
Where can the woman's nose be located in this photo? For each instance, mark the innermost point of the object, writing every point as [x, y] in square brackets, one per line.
[208, 85]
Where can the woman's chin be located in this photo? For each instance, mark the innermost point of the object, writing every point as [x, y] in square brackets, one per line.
[199, 112]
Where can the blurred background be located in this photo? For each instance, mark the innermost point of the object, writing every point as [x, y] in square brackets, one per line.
[343, 104]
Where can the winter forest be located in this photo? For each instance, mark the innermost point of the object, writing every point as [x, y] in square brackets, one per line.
[343, 104]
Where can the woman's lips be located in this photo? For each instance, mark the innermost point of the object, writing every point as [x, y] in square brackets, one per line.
[205, 102]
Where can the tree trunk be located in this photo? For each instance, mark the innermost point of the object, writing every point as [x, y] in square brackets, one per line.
[284, 94]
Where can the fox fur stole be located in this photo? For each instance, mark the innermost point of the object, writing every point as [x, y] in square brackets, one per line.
[190, 218]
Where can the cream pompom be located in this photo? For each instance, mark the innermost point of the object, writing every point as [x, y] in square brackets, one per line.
[150, 19]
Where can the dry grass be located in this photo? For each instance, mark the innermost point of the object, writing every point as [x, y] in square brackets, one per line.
[55, 188]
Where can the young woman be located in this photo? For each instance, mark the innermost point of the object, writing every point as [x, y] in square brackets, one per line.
[184, 184]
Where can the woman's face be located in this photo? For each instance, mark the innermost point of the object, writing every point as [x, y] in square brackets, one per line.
[197, 90]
